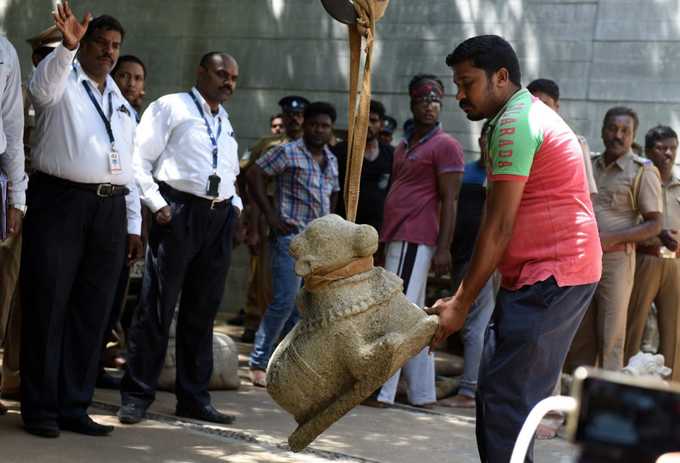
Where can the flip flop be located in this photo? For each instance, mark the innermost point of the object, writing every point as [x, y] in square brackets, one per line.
[548, 428]
[458, 401]
[258, 378]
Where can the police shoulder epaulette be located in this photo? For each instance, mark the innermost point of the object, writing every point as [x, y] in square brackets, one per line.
[642, 161]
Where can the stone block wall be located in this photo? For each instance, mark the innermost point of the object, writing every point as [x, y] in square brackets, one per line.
[601, 52]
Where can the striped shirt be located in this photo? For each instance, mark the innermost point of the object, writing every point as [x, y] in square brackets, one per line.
[303, 187]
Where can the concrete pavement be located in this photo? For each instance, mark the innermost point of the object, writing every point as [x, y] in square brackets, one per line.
[395, 435]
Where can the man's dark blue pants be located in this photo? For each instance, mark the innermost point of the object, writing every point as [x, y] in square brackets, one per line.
[190, 255]
[525, 347]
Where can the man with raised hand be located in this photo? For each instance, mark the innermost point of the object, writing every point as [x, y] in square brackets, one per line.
[83, 211]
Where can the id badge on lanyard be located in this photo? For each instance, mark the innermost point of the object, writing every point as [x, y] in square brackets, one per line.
[213, 185]
[115, 166]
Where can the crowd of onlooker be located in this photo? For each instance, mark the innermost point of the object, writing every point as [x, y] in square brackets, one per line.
[98, 181]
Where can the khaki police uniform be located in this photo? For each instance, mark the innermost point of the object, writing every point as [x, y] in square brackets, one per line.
[657, 280]
[259, 294]
[627, 188]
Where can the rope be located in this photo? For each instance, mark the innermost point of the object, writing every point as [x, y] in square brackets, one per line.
[369, 13]
[323, 277]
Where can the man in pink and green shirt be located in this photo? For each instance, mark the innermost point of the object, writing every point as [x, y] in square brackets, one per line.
[539, 230]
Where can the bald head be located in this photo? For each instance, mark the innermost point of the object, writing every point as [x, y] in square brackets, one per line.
[216, 77]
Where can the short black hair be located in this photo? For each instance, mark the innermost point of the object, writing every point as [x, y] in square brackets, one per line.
[320, 107]
[421, 77]
[622, 111]
[105, 22]
[547, 86]
[660, 132]
[490, 53]
[275, 116]
[377, 108]
[206, 58]
[128, 59]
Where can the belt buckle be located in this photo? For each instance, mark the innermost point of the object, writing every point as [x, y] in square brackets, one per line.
[105, 190]
[214, 202]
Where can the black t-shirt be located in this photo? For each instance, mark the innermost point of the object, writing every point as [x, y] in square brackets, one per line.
[375, 182]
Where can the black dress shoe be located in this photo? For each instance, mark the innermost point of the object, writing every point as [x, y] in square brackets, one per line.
[205, 413]
[42, 429]
[3, 409]
[84, 425]
[108, 381]
[131, 413]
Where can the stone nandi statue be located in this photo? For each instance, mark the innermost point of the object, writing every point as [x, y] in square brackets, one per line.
[356, 328]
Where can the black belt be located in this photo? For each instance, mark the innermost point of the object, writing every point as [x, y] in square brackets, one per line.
[103, 190]
[182, 196]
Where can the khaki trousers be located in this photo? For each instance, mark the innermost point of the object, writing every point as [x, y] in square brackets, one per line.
[657, 280]
[600, 339]
[259, 294]
[10, 313]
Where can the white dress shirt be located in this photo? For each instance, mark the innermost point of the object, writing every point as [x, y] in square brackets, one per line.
[12, 124]
[172, 145]
[71, 139]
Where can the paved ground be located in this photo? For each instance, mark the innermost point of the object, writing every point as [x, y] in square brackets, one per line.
[398, 435]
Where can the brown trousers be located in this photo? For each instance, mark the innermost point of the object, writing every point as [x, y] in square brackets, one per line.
[600, 339]
[657, 280]
[10, 312]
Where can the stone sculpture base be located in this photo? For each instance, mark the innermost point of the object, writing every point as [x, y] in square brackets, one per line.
[225, 365]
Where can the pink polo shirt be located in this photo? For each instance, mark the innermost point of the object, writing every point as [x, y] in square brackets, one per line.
[555, 231]
[412, 204]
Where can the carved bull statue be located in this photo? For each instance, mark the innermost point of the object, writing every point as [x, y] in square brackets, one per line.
[356, 328]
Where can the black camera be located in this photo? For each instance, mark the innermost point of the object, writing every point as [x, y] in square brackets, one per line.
[622, 418]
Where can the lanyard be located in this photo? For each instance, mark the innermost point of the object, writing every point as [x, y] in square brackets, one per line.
[213, 139]
[107, 121]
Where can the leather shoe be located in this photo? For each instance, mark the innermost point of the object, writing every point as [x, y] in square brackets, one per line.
[205, 413]
[84, 425]
[3, 409]
[131, 413]
[42, 430]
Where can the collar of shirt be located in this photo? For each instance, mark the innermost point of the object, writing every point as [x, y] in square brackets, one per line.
[207, 110]
[81, 76]
[517, 95]
[327, 153]
[622, 162]
[409, 133]
[675, 181]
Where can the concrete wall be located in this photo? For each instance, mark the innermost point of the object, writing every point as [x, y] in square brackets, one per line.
[602, 53]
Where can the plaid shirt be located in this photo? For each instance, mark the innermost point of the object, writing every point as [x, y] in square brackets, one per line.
[303, 188]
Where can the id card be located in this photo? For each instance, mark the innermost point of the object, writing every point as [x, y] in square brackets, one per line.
[115, 166]
[213, 188]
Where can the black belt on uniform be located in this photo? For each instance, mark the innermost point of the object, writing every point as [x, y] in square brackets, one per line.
[103, 190]
[178, 195]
